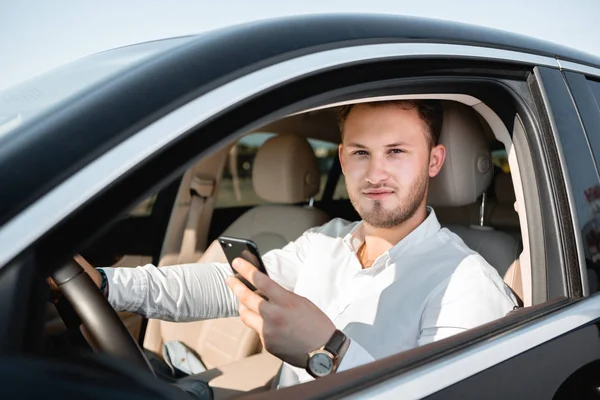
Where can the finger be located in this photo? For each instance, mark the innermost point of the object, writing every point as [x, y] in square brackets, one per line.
[260, 281]
[247, 297]
[52, 284]
[251, 319]
[54, 291]
[83, 263]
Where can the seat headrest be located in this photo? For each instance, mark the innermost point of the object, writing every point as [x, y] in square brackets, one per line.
[467, 171]
[285, 170]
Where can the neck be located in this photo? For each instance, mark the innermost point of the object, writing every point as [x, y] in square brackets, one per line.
[380, 240]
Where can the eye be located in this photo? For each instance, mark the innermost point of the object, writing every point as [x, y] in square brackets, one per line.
[360, 153]
[396, 151]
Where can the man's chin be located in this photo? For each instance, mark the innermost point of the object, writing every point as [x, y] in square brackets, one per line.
[385, 206]
[377, 218]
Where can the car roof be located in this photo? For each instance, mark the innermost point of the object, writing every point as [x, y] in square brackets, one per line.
[321, 29]
[170, 78]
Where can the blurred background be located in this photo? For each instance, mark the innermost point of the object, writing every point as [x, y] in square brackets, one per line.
[37, 35]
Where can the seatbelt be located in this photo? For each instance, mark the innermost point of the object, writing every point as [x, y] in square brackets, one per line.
[201, 189]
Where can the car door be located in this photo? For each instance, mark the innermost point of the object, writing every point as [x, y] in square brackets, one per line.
[196, 112]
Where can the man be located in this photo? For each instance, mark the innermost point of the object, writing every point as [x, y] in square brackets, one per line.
[345, 294]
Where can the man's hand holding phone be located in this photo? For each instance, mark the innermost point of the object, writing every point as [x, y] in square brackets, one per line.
[289, 325]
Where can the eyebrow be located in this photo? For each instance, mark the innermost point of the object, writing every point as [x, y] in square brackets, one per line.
[362, 146]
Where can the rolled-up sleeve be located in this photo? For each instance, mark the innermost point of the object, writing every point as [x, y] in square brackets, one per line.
[192, 292]
[187, 292]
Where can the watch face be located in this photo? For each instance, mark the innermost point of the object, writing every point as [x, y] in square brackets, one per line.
[320, 364]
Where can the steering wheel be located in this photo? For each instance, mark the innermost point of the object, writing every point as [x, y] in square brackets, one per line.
[106, 333]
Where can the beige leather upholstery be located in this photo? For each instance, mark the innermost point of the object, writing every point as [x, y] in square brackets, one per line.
[502, 212]
[274, 226]
[223, 341]
[467, 171]
[514, 280]
[465, 175]
[287, 170]
[210, 167]
[499, 248]
[499, 209]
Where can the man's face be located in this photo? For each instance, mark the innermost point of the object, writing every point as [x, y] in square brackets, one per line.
[387, 161]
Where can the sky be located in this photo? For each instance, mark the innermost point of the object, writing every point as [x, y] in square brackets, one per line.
[38, 35]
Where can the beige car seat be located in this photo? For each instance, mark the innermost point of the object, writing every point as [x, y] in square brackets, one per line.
[502, 213]
[464, 177]
[285, 172]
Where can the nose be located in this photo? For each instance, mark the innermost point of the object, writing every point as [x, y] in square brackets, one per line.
[377, 172]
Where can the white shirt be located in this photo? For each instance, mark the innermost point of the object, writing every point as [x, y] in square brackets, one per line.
[427, 287]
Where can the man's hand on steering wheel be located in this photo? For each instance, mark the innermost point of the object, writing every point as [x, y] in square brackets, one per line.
[55, 293]
[105, 331]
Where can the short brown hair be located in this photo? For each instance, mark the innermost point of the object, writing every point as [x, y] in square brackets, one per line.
[430, 111]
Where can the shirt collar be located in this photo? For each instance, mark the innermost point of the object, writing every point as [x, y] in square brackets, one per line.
[429, 227]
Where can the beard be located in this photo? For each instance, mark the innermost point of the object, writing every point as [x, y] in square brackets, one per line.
[379, 217]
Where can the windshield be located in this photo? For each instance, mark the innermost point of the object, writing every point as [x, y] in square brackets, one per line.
[24, 101]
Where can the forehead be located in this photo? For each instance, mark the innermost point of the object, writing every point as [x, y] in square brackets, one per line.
[384, 122]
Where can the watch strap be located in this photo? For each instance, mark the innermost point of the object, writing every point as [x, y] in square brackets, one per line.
[335, 344]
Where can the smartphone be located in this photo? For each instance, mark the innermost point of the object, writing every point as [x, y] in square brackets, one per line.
[243, 248]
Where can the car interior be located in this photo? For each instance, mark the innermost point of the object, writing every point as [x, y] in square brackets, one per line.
[284, 178]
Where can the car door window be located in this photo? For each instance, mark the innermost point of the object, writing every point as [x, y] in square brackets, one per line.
[591, 230]
[595, 88]
[586, 95]
[144, 208]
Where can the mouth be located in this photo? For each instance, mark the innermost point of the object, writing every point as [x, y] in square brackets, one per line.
[377, 194]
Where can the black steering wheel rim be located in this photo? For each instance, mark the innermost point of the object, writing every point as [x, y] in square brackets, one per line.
[106, 333]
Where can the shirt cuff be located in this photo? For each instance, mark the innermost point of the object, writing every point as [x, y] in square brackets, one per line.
[355, 356]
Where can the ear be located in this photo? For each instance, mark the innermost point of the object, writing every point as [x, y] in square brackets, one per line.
[436, 159]
[341, 157]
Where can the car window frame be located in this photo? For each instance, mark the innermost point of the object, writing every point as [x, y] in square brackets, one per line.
[494, 327]
[575, 157]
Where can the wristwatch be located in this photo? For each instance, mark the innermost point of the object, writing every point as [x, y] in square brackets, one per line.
[325, 361]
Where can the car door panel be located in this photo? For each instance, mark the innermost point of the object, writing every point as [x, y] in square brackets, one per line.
[536, 374]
